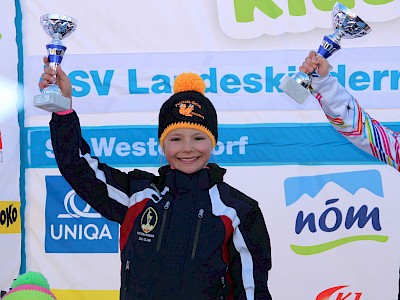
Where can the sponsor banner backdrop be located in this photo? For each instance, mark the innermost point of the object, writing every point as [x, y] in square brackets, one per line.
[325, 225]
[10, 220]
[328, 224]
[250, 144]
[65, 234]
[236, 81]
[199, 25]
[331, 210]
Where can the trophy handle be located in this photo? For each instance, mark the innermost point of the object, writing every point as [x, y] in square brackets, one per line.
[329, 45]
[55, 51]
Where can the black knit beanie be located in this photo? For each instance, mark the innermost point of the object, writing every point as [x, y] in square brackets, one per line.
[188, 108]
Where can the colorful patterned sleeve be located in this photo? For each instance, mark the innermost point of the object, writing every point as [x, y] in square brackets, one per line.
[354, 123]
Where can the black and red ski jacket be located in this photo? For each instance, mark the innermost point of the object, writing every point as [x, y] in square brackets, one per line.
[182, 236]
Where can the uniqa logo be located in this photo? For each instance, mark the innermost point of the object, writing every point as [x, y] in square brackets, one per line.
[79, 231]
[328, 293]
[245, 19]
[333, 215]
[73, 211]
[72, 225]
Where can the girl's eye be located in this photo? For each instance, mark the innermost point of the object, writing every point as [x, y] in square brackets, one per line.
[199, 138]
[175, 139]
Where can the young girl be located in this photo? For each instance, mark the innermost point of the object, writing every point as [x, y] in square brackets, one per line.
[185, 234]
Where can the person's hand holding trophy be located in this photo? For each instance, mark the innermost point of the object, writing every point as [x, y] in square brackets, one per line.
[347, 25]
[58, 27]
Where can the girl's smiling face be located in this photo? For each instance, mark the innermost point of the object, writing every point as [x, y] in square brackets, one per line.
[187, 150]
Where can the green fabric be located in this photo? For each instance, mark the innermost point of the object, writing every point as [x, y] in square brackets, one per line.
[27, 295]
[34, 278]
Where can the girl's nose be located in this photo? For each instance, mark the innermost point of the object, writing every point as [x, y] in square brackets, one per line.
[188, 146]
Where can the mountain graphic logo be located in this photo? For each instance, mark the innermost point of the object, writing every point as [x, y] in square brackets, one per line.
[295, 187]
[371, 180]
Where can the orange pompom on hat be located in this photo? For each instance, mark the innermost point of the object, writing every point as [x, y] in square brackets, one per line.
[188, 107]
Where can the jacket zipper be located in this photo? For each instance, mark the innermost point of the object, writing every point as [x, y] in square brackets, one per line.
[163, 221]
[197, 233]
[127, 274]
[221, 294]
[158, 196]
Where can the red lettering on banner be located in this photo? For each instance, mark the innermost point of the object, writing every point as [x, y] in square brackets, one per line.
[357, 296]
[326, 295]
[340, 296]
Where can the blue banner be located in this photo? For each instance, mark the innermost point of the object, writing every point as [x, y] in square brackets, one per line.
[254, 144]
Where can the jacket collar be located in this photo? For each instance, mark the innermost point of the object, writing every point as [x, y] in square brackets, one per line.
[202, 179]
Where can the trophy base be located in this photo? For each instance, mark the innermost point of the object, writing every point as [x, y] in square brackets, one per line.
[52, 102]
[294, 89]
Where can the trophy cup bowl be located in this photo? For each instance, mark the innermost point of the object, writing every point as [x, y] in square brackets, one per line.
[350, 25]
[347, 25]
[58, 27]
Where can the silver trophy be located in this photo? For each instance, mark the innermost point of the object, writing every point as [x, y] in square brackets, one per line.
[58, 27]
[347, 25]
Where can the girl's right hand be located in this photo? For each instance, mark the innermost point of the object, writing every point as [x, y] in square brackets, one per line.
[314, 61]
[49, 76]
